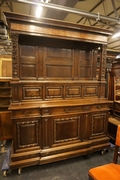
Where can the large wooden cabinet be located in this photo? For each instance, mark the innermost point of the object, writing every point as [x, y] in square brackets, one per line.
[59, 104]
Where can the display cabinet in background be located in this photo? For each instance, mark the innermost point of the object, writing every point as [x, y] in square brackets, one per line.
[5, 115]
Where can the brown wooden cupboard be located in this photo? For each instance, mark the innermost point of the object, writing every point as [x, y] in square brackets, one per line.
[59, 104]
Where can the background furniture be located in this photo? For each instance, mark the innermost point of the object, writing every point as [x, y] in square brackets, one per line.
[114, 89]
[113, 123]
[108, 171]
[116, 107]
[5, 115]
[59, 104]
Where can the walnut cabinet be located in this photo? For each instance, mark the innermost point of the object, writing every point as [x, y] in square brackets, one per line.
[59, 105]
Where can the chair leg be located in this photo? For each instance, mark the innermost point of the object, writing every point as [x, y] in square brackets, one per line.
[116, 154]
[90, 178]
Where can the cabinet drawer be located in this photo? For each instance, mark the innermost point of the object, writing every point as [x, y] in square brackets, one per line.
[54, 92]
[25, 113]
[100, 107]
[73, 91]
[90, 91]
[65, 110]
[32, 92]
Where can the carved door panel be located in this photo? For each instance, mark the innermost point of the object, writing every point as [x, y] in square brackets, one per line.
[61, 130]
[99, 124]
[27, 134]
[28, 62]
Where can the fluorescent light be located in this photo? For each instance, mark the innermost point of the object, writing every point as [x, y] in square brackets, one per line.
[38, 11]
[116, 35]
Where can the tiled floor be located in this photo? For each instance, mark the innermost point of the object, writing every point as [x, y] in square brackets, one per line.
[72, 169]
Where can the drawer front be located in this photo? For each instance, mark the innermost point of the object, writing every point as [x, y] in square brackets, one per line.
[25, 113]
[100, 107]
[65, 110]
[54, 92]
[73, 91]
[32, 93]
[90, 91]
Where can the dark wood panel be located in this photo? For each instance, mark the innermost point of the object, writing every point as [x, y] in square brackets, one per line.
[98, 124]
[27, 133]
[28, 71]
[54, 92]
[86, 124]
[27, 52]
[59, 71]
[32, 92]
[28, 61]
[73, 91]
[90, 91]
[15, 93]
[66, 129]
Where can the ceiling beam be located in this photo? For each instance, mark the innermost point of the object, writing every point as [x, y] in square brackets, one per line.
[114, 7]
[101, 1]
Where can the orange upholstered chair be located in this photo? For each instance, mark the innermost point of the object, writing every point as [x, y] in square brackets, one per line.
[108, 171]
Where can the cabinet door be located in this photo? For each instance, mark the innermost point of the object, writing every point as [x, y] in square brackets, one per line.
[61, 130]
[5, 125]
[26, 134]
[99, 124]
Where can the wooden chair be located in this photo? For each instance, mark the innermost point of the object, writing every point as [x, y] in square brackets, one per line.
[108, 171]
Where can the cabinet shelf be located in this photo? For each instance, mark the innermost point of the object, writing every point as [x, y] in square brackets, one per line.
[5, 115]
[5, 96]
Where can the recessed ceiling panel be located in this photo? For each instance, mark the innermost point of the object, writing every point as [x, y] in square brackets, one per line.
[21, 8]
[72, 17]
[5, 8]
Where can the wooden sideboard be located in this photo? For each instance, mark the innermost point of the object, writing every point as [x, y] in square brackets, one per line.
[59, 104]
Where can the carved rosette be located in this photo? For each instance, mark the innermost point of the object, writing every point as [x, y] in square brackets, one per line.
[14, 37]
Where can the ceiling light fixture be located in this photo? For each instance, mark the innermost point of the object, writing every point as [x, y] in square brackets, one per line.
[38, 11]
[39, 8]
[117, 34]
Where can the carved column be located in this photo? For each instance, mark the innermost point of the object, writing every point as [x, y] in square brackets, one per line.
[103, 63]
[15, 69]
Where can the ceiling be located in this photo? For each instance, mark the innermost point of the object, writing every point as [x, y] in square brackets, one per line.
[102, 14]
